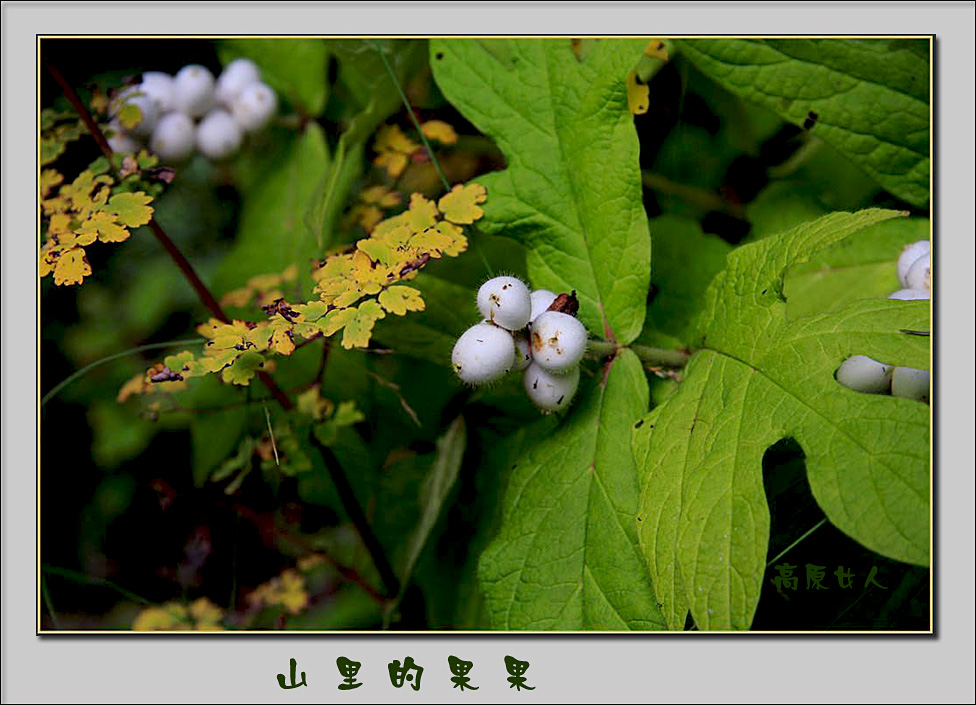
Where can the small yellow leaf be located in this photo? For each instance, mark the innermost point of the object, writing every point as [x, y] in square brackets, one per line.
[440, 131]
[313, 310]
[132, 209]
[336, 320]
[291, 273]
[422, 213]
[312, 403]
[71, 267]
[238, 297]
[376, 250]
[393, 162]
[49, 179]
[136, 385]
[206, 614]
[178, 362]
[656, 49]
[638, 94]
[129, 115]
[104, 226]
[359, 329]
[243, 369]
[400, 299]
[390, 138]
[381, 196]
[461, 204]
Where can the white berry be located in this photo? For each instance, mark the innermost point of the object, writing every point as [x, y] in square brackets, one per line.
[506, 302]
[174, 138]
[235, 77]
[158, 86]
[908, 257]
[121, 141]
[558, 341]
[919, 275]
[541, 301]
[863, 374]
[523, 351]
[218, 136]
[254, 106]
[193, 90]
[910, 383]
[147, 107]
[549, 391]
[483, 354]
[910, 294]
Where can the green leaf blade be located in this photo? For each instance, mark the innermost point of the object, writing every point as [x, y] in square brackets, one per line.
[870, 102]
[704, 521]
[565, 556]
[572, 189]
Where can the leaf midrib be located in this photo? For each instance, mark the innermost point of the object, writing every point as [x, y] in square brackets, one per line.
[576, 200]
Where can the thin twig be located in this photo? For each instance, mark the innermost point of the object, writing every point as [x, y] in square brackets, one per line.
[91, 580]
[274, 446]
[794, 544]
[125, 353]
[391, 584]
[650, 356]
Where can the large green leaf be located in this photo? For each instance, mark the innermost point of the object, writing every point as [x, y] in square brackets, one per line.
[277, 190]
[566, 554]
[870, 97]
[572, 190]
[703, 519]
[295, 67]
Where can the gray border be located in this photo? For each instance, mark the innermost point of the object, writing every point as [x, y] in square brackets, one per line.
[565, 669]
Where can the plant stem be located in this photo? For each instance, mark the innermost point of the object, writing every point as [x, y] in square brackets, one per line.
[206, 297]
[84, 370]
[794, 544]
[654, 357]
[89, 580]
[391, 584]
[699, 197]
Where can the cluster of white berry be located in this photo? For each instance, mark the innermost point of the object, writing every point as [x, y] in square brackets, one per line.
[864, 374]
[193, 111]
[526, 331]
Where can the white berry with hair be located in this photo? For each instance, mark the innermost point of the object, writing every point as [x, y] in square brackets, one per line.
[218, 135]
[174, 138]
[910, 383]
[505, 301]
[158, 86]
[120, 140]
[909, 255]
[523, 351]
[550, 391]
[254, 106]
[541, 301]
[919, 274]
[193, 90]
[910, 295]
[484, 353]
[864, 374]
[558, 341]
[236, 76]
